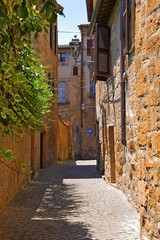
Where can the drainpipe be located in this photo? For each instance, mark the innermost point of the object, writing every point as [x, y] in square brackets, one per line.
[123, 95]
[81, 97]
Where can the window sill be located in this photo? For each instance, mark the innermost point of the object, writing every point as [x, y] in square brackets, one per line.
[63, 103]
[91, 96]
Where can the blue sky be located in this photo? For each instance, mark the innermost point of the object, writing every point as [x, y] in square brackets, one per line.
[75, 14]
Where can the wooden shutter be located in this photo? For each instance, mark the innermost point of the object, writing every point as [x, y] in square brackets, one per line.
[101, 65]
[55, 39]
[75, 70]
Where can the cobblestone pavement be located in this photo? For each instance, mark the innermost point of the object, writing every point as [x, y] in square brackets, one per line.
[69, 202]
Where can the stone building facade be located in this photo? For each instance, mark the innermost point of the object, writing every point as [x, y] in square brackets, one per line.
[76, 102]
[127, 76]
[40, 149]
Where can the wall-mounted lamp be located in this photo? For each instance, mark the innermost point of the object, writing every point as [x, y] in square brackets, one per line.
[83, 107]
[75, 48]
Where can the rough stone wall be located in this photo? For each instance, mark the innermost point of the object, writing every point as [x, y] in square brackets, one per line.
[137, 164]
[143, 122]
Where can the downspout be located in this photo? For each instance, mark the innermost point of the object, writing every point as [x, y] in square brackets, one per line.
[81, 97]
[123, 95]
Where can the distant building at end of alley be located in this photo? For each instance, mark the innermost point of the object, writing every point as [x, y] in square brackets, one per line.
[76, 94]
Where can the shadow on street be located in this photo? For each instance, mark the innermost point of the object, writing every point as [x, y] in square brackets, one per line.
[41, 210]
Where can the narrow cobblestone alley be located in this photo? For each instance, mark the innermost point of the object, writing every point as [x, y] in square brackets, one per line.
[69, 202]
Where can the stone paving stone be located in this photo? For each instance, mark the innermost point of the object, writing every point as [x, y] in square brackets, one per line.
[69, 201]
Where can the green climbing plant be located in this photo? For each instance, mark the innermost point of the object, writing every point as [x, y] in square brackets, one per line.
[25, 97]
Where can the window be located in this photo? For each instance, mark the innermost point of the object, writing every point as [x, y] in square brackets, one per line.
[101, 53]
[62, 92]
[75, 70]
[128, 11]
[63, 57]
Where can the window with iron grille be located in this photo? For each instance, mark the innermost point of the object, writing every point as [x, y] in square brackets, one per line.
[62, 92]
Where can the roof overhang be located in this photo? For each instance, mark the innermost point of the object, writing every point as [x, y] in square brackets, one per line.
[89, 4]
[101, 13]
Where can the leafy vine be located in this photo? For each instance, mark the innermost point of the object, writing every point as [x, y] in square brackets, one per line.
[25, 97]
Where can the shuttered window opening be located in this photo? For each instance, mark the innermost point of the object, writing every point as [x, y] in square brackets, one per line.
[101, 67]
[55, 39]
[75, 70]
[51, 36]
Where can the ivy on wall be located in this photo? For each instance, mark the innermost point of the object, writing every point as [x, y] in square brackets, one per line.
[25, 97]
